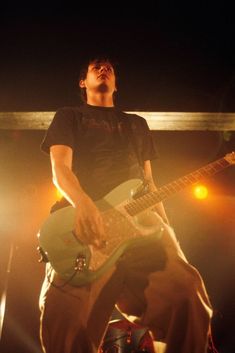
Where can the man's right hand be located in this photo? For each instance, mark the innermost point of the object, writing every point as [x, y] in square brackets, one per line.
[89, 227]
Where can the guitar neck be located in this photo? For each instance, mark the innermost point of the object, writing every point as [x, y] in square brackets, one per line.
[152, 198]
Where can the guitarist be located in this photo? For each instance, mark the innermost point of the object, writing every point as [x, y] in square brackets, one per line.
[94, 148]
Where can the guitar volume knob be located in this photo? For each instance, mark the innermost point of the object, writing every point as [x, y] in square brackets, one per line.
[80, 263]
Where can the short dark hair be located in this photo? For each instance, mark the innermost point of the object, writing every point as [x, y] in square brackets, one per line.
[84, 70]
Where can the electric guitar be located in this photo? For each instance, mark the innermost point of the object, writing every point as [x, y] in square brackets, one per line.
[122, 210]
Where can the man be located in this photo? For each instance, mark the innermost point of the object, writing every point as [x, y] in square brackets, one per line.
[93, 149]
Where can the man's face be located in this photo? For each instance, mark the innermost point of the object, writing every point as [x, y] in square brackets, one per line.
[100, 77]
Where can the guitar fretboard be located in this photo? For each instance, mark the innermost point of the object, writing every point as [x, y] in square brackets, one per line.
[150, 199]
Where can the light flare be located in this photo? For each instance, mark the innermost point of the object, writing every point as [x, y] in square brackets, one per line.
[200, 192]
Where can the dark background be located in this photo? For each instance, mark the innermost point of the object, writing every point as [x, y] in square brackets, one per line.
[171, 57]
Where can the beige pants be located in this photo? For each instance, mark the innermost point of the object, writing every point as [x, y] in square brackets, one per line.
[156, 286]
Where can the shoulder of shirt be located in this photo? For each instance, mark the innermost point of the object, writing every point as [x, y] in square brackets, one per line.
[73, 113]
[133, 116]
[70, 109]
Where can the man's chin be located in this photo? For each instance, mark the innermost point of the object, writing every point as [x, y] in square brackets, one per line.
[103, 87]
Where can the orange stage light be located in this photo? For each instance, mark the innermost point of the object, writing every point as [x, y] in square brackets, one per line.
[200, 192]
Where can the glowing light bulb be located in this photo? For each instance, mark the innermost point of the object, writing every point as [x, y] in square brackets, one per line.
[200, 192]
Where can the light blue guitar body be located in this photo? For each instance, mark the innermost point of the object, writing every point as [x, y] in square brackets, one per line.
[79, 263]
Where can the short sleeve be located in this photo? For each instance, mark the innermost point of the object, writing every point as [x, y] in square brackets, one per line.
[149, 147]
[143, 139]
[61, 130]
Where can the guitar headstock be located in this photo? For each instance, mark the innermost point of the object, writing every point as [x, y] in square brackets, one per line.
[230, 157]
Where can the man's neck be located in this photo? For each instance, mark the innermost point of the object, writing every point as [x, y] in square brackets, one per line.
[100, 100]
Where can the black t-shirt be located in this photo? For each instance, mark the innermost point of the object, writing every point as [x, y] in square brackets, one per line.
[108, 145]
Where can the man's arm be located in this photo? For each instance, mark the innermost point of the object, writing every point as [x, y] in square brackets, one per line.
[88, 220]
[152, 187]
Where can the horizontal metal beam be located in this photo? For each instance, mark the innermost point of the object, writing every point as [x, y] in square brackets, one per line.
[156, 120]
